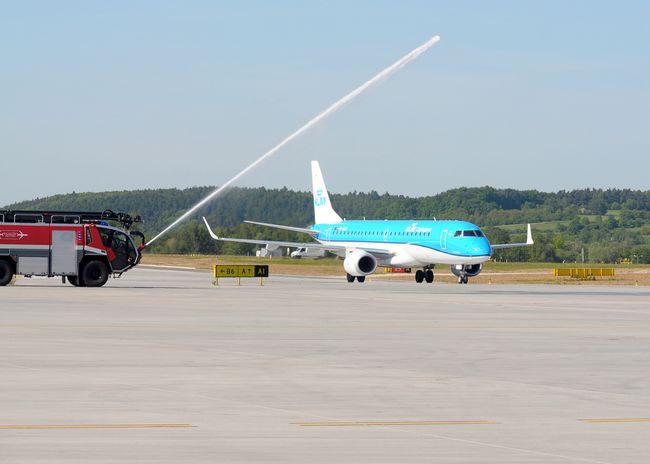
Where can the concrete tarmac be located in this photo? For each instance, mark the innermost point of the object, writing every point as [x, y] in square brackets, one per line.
[161, 366]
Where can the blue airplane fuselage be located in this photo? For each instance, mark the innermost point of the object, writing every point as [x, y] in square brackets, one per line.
[412, 242]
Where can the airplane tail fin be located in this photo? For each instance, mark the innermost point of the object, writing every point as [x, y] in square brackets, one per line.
[323, 211]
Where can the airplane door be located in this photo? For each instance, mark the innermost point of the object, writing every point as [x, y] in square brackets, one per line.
[443, 239]
[328, 234]
[386, 235]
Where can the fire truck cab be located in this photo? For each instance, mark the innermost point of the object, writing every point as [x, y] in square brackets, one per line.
[81, 247]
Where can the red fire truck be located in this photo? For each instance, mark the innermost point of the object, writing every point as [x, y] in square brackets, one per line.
[82, 247]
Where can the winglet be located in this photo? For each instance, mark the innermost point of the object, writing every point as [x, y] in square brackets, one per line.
[212, 234]
[529, 236]
[529, 242]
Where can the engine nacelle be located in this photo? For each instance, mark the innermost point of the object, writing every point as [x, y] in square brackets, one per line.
[470, 270]
[359, 263]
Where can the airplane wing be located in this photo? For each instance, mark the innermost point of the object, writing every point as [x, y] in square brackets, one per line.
[271, 242]
[375, 251]
[529, 242]
[293, 229]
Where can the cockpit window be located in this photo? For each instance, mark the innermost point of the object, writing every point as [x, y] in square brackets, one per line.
[468, 233]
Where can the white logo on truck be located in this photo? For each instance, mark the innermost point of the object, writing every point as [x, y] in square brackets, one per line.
[12, 235]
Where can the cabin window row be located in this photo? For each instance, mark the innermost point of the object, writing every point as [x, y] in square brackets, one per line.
[377, 233]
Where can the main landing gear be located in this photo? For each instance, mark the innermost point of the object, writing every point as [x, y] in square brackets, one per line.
[424, 274]
[360, 279]
[462, 279]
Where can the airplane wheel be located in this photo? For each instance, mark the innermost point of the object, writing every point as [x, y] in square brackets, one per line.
[419, 276]
[361, 279]
[428, 275]
[350, 278]
[460, 280]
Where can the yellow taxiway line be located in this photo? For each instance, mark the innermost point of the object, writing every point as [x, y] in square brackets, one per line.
[94, 426]
[628, 419]
[370, 424]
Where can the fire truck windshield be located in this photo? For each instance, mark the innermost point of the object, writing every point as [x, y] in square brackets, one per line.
[122, 246]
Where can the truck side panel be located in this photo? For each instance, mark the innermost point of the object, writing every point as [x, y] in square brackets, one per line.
[29, 242]
[64, 252]
[30, 265]
[43, 249]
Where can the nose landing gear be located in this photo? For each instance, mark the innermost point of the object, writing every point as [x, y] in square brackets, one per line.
[465, 271]
[360, 279]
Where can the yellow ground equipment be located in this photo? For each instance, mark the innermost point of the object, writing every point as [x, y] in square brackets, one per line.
[584, 272]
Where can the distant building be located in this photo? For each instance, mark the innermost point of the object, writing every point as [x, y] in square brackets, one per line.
[267, 252]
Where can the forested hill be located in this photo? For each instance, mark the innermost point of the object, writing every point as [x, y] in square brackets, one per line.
[609, 224]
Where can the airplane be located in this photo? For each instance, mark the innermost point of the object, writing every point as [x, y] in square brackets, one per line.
[366, 245]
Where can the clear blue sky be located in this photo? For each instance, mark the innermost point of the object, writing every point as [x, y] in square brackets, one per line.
[123, 95]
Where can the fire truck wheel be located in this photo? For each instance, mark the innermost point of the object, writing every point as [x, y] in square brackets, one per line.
[6, 272]
[76, 281]
[95, 274]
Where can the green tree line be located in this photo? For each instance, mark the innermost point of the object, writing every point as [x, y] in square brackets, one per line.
[609, 225]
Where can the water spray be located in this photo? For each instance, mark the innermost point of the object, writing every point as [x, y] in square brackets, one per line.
[399, 64]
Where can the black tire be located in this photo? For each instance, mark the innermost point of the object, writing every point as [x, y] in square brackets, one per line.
[428, 276]
[350, 278]
[94, 274]
[77, 281]
[361, 279]
[419, 276]
[6, 272]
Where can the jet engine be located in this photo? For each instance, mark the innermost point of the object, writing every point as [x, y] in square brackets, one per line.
[359, 263]
[469, 270]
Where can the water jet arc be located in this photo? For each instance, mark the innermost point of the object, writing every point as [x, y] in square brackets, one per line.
[399, 64]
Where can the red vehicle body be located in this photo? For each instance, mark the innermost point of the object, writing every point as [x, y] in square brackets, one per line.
[78, 246]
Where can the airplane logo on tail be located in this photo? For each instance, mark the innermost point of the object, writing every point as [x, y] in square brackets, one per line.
[12, 235]
[320, 199]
